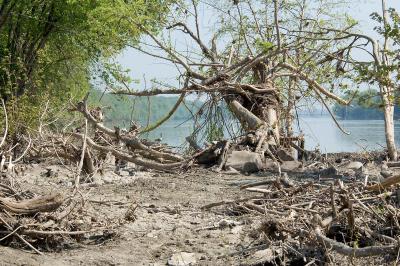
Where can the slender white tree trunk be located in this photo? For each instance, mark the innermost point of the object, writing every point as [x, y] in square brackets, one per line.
[387, 93]
[389, 127]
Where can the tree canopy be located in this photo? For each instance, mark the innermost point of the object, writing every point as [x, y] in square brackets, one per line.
[55, 49]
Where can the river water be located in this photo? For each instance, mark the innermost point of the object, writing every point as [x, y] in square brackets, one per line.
[319, 131]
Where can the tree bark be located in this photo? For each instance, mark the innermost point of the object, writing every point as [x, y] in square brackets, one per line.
[389, 129]
[245, 116]
[386, 92]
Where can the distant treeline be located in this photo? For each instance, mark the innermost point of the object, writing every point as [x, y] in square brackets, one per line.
[121, 110]
[366, 106]
[357, 112]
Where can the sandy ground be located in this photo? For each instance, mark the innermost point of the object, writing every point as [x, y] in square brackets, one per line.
[169, 218]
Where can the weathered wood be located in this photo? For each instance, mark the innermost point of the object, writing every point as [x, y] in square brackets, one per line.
[385, 183]
[131, 141]
[393, 164]
[259, 190]
[133, 158]
[355, 252]
[245, 116]
[32, 206]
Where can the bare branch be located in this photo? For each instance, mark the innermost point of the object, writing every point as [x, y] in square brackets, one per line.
[190, 71]
[355, 252]
[314, 84]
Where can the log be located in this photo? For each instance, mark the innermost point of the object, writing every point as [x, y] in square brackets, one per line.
[32, 206]
[393, 164]
[258, 183]
[355, 252]
[133, 158]
[245, 116]
[392, 180]
[259, 190]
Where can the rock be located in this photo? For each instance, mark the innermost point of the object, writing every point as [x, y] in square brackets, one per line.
[245, 161]
[265, 256]
[328, 172]
[107, 179]
[284, 155]
[271, 165]
[384, 167]
[386, 173]
[227, 223]
[354, 166]
[290, 165]
[49, 173]
[182, 259]
[97, 180]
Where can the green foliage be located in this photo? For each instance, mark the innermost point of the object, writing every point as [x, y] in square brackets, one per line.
[388, 73]
[214, 132]
[50, 50]
[264, 46]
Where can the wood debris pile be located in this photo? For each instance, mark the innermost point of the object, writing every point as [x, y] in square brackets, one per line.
[303, 221]
[51, 222]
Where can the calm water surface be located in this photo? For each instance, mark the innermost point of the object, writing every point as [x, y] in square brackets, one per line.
[319, 131]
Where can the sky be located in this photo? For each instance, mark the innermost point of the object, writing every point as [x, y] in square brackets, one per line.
[144, 67]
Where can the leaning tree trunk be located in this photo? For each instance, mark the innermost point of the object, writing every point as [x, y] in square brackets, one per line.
[259, 109]
[258, 112]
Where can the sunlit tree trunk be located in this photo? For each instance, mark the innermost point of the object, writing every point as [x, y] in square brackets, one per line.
[389, 126]
[386, 92]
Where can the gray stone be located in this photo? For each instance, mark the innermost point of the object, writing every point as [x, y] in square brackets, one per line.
[284, 155]
[245, 161]
[328, 172]
[108, 179]
[182, 259]
[386, 173]
[271, 165]
[265, 256]
[290, 165]
[354, 166]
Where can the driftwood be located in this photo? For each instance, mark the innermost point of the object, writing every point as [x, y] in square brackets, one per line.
[245, 116]
[32, 206]
[131, 142]
[393, 164]
[134, 158]
[392, 180]
[355, 252]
